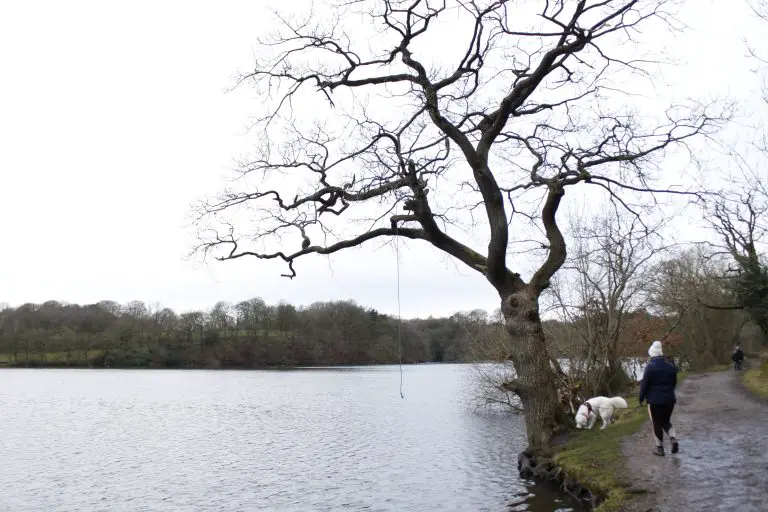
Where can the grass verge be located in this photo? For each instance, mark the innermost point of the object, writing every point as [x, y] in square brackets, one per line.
[594, 458]
[756, 380]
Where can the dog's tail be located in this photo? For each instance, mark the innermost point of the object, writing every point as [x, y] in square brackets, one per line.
[618, 402]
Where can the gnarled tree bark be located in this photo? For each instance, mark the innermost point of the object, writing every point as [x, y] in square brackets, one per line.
[535, 376]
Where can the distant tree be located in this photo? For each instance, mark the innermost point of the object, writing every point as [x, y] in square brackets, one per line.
[220, 318]
[739, 214]
[110, 307]
[286, 317]
[137, 314]
[168, 322]
[192, 324]
[603, 284]
[740, 220]
[681, 290]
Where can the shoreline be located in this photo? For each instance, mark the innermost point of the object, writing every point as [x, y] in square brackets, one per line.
[592, 462]
[37, 365]
[96, 363]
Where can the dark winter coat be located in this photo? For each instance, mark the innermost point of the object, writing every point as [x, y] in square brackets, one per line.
[659, 381]
[737, 356]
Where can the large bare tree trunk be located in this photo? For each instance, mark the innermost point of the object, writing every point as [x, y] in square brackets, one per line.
[536, 384]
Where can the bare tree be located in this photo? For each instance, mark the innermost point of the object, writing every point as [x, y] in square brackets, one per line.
[167, 321]
[760, 9]
[492, 370]
[683, 289]
[740, 220]
[220, 317]
[739, 214]
[603, 283]
[110, 307]
[519, 108]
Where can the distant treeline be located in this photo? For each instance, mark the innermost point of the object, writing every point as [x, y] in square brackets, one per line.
[250, 334]
[253, 334]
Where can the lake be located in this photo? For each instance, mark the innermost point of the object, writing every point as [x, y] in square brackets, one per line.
[294, 440]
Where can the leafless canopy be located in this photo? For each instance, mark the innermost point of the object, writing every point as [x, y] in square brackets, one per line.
[739, 219]
[519, 97]
[607, 268]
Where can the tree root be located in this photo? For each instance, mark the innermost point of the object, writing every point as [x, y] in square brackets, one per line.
[541, 467]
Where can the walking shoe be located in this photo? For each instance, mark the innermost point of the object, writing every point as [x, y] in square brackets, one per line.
[659, 451]
[675, 447]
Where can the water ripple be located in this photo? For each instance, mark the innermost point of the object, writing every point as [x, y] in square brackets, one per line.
[92, 440]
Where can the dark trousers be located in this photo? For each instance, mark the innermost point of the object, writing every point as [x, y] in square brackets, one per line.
[737, 365]
[661, 416]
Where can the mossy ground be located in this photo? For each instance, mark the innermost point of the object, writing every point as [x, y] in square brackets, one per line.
[594, 457]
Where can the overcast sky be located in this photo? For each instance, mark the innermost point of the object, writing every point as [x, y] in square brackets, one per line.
[114, 117]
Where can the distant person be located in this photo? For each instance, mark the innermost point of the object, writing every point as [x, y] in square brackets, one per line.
[737, 358]
[658, 389]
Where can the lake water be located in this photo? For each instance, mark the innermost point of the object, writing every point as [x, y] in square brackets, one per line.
[300, 440]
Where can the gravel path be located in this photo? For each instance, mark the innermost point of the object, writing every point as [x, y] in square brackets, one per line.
[723, 459]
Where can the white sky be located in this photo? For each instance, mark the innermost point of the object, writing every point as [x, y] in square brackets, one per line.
[114, 117]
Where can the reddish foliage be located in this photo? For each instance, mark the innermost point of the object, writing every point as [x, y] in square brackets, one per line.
[642, 328]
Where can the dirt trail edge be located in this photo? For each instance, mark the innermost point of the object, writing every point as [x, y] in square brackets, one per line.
[723, 459]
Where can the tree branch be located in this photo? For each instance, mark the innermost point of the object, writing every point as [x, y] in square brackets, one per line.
[234, 251]
[557, 248]
[529, 99]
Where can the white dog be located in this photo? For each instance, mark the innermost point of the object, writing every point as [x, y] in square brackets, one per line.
[601, 406]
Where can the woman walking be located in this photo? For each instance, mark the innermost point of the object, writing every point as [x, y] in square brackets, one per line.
[658, 389]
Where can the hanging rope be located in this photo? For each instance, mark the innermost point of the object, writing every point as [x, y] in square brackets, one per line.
[399, 317]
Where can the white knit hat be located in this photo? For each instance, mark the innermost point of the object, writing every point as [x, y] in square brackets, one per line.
[655, 350]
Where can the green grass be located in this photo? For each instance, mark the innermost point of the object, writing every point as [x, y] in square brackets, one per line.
[594, 458]
[756, 380]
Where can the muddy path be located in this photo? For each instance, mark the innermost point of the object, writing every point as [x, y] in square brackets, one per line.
[723, 459]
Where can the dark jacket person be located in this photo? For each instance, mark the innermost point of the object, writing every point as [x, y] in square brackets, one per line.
[658, 389]
[737, 357]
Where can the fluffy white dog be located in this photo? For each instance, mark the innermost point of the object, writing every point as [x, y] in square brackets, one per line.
[600, 406]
